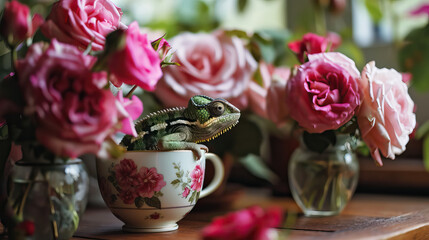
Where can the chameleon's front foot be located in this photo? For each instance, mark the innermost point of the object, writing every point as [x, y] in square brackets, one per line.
[194, 147]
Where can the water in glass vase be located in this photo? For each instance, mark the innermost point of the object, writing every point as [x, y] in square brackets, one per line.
[323, 183]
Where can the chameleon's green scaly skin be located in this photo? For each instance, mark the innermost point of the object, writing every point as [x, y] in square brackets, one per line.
[183, 128]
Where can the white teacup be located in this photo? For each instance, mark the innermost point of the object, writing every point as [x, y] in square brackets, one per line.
[150, 191]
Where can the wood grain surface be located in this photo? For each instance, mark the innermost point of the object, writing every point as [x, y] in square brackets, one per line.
[367, 216]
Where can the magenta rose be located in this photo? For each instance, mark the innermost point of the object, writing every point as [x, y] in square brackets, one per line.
[312, 43]
[197, 176]
[74, 112]
[386, 117]
[82, 22]
[126, 173]
[249, 224]
[212, 64]
[16, 24]
[150, 182]
[137, 63]
[186, 192]
[324, 93]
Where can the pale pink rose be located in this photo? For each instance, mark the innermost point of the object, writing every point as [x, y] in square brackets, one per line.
[197, 176]
[74, 112]
[324, 94]
[16, 24]
[150, 182]
[128, 195]
[212, 64]
[137, 63]
[252, 223]
[83, 22]
[257, 94]
[277, 110]
[312, 43]
[186, 192]
[386, 117]
[131, 110]
[126, 173]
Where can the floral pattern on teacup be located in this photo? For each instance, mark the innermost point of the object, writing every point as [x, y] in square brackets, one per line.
[154, 216]
[137, 186]
[191, 184]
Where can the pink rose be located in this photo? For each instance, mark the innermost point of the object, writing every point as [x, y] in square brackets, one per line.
[197, 176]
[74, 112]
[137, 63]
[150, 182]
[312, 43]
[128, 195]
[213, 64]
[131, 110]
[126, 173]
[257, 94]
[186, 192]
[276, 96]
[81, 22]
[249, 224]
[407, 77]
[386, 117]
[16, 24]
[324, 93]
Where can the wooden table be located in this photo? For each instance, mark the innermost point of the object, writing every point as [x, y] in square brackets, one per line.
[367, 216]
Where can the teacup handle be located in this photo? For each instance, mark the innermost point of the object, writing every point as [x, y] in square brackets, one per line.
[218, 175]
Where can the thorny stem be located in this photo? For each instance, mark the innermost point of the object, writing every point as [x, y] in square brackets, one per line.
[131, 91]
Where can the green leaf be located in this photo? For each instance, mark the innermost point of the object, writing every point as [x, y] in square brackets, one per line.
[426, 152]
[423, 130]
[4, 132]
[256, 165]
[257, 77]
[153, 202]
[319, 142]
[175, 182]
[139, 202]
[242, 5]
[374, 10]
[192, 198]
[155, 44]
[237, 33]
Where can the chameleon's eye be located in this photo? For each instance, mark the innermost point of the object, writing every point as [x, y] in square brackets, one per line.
[217, 109]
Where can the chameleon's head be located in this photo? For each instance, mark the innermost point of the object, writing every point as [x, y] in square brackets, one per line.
[213, 117]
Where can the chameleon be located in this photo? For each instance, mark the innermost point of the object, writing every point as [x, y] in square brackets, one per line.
[180, 128]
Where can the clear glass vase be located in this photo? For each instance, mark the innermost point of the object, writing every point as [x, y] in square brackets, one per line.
[323, 183]
[52, 196]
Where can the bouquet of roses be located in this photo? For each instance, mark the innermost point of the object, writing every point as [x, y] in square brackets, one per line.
[327, 95]
[56, 103]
